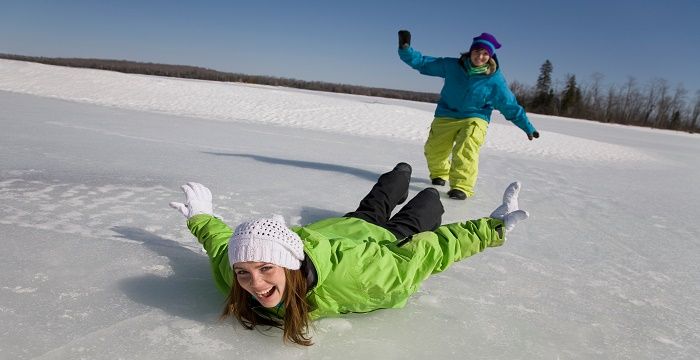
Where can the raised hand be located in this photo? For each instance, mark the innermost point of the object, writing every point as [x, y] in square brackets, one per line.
[404, 39]
[197, 200]
[508, 211]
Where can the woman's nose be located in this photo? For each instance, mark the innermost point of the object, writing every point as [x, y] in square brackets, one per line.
[256, 279]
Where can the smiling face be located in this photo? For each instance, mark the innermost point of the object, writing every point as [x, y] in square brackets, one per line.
[265, 281]
[479, 57]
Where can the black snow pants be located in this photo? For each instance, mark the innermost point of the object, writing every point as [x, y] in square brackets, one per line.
[422, 213]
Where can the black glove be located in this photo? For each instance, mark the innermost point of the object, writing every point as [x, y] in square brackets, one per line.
[535, 135]
[404, 39]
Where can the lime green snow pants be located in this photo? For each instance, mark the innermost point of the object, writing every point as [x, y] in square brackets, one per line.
[463, 138]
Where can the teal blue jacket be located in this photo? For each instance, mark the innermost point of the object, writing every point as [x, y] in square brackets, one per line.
[359, 266]
[465, 96]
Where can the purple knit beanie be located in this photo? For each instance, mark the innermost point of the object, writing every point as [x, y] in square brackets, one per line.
[487, 42]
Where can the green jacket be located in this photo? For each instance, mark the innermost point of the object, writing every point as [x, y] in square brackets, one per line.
[359, 267]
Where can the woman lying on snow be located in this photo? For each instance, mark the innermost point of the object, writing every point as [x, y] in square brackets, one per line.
[364, 261]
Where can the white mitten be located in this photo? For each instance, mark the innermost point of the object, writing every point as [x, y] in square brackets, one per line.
[508, 212]
[197, 200]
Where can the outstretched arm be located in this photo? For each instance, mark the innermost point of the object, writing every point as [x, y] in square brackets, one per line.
[210, 231]
[214, 235]
[507, 104]
[426, 65]
[456, 241]
[388, 274]
[433, 252]
[509, 211]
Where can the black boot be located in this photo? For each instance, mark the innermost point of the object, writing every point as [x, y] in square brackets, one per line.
[402, 166]
[405, 168]
[456, 194]
[390, 190]
[438, 181]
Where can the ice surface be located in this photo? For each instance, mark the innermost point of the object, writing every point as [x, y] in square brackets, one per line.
[95, 265]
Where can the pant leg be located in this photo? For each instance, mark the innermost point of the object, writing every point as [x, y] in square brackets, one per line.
[422, 213]
[438, 146]
[465, 155]
[390, 190]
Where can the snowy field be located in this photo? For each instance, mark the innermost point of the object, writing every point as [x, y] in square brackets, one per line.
[95, 265]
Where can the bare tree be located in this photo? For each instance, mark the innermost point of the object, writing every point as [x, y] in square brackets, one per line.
[694, 111]
[663, 105]
[611, 105]
[676, 106]
[650, 104]
[521, 92]
[592, 98]
[629, 111]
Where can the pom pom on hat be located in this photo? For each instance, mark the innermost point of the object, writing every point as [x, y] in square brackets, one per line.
[266, 240]
[487, 42]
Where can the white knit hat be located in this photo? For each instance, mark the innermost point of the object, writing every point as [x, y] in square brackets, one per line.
[266, 240]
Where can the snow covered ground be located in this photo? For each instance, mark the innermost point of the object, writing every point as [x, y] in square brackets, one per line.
[94, 264]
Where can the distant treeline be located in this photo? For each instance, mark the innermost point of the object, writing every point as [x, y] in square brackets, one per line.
[656, 105]
[193, 72]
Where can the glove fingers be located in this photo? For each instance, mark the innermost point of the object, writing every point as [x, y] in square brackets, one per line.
[189, 192]
[510, 196]
[179, 207]
[510, 201]
[200, 191]
[512, 190]
[206, 192]
[519, 215]
[514, 218]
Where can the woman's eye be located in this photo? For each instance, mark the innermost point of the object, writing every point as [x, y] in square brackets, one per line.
[241, 272]
[265, 268]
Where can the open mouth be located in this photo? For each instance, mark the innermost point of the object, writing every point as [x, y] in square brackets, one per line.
[266, 294]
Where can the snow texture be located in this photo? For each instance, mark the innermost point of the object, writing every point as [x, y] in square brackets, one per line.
[95, 265]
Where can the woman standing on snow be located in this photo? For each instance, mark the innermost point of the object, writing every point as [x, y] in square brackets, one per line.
[473, 87]
[364, 261]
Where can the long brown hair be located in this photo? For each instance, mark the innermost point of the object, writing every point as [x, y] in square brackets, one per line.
[296, 320]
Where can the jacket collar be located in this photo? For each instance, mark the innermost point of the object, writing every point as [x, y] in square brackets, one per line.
[309, 270]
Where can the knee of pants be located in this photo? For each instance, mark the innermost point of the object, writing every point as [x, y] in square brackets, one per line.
[430, 199]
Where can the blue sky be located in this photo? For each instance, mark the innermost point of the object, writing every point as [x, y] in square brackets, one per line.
[354, 42]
